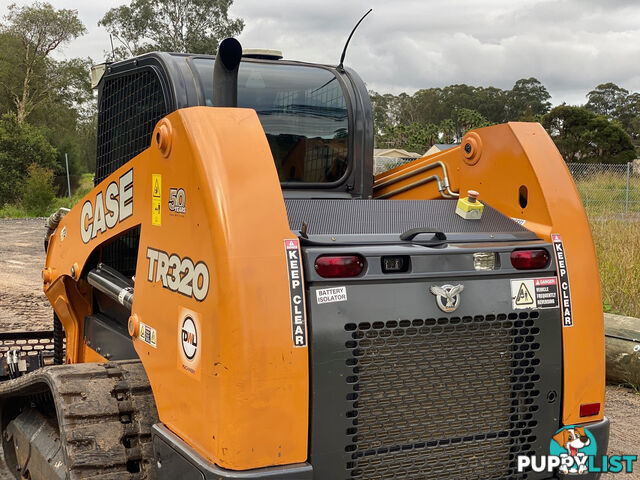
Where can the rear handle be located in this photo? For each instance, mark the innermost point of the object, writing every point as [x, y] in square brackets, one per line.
[414, 232]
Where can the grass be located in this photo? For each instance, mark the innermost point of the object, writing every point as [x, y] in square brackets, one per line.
[85, 186]
[618, 249]
[606, 193]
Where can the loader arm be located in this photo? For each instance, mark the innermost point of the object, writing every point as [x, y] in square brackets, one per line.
[214, 271]
[518, 170]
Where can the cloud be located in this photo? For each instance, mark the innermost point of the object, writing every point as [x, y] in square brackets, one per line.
[404, 45]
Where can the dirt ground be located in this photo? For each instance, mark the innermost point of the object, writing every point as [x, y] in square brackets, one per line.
[23, 306]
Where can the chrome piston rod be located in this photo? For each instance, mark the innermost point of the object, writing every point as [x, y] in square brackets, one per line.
[113, 284]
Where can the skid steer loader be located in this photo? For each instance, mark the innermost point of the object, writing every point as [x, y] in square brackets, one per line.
[239, 298]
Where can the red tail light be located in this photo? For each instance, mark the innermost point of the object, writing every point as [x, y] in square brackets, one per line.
[589, 409]
[529, 259]
[339, 266]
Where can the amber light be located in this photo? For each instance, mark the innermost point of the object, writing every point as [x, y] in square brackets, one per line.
[529, 259]
[339, 266]
[589, 409]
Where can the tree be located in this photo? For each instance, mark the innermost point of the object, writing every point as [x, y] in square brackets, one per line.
[38, 190]
[467, 119]
[583, 136]
[606, 99]
[40, 29]
[194, 26]
[527, 97]
[628, 114]
[447, 130]
[21, 145]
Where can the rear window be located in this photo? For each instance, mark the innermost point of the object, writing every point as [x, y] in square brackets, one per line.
[303, 112]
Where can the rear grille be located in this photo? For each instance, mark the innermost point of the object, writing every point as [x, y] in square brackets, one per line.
[451, 397]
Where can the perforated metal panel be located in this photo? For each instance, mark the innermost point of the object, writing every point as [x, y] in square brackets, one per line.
[361, 217]
[442, 398]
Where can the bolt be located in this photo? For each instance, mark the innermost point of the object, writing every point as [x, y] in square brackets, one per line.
[551, 396]
[73, 272]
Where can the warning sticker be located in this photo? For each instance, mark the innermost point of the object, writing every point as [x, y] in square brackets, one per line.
[330, 295]
[148, 335]
[563, 277]
[156, 199]
[534, 293]
[156, 185]
[296, 293]
[156, 211]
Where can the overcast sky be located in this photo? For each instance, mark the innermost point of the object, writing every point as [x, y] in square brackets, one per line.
[404, 45]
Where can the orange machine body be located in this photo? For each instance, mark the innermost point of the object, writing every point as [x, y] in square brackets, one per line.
[211, 316]
[518, 170]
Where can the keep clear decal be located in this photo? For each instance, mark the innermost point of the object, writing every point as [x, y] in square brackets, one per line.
[296, 293]
[534, 293]
[189, 341]
[563, 278]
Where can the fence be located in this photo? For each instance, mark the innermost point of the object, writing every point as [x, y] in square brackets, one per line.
[608, 190]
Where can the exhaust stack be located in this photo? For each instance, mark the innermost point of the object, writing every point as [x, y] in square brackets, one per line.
[225, 73]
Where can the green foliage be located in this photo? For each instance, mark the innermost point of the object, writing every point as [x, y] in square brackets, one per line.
[38, 191]
[13, 211]
[39, 30]
[444, 115]
[527, 98]
[194, 26]
[583, 136]
[50, 94]
[606, 99]
[21, 145]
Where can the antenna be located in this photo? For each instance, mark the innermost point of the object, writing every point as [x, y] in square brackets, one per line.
[344, 51]
[113, 52]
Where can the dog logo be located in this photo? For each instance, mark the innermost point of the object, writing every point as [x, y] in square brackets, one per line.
[573, 445]
[447, 296]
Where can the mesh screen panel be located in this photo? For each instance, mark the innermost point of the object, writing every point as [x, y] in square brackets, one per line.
[130, 107]
[454, 397]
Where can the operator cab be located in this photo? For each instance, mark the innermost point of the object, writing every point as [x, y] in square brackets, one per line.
[317, 118]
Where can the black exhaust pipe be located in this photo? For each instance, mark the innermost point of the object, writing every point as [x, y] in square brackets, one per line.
[225, 73]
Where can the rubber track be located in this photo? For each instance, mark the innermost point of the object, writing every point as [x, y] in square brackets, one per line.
[105, 413]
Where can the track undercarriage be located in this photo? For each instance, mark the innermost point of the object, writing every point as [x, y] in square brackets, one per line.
[79, 421]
